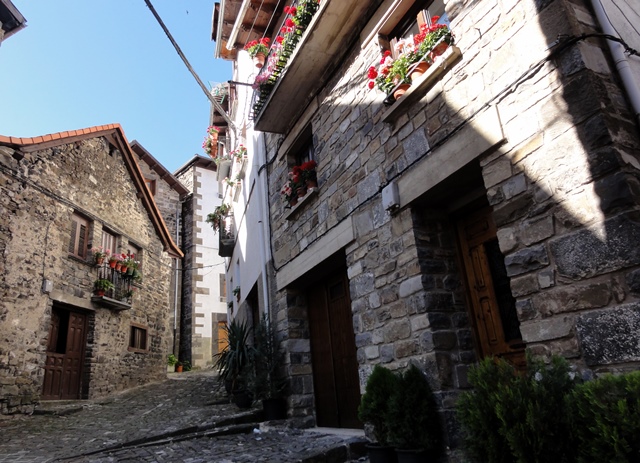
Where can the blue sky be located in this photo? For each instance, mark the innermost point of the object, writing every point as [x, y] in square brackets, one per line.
[81, 63]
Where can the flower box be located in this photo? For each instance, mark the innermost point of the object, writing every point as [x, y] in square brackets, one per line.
[421, 85]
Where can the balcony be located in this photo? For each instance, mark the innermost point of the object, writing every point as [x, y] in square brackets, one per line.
[308, 68]
[226, 237]
[120, 296]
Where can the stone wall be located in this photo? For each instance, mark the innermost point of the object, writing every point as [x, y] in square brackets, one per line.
[562, 184]
[39, 192]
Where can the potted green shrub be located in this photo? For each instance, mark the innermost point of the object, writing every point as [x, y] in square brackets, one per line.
[171, 362]
[414, 424]
[374, 410]
[268, 381]
[101, 286]
[233, 361]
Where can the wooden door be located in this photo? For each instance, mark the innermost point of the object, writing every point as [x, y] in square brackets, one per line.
[492, 304]
[223, 340]
[65, 355]
[333, 353]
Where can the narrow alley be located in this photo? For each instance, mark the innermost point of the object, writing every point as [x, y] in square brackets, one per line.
[185, 418]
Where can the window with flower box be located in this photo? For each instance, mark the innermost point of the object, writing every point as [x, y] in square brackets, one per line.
[416, 50]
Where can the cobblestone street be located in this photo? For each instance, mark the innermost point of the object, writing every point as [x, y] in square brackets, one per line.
[182, 419]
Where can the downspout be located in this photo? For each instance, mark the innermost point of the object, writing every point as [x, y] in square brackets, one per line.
[264, 192]
[175, 283]
[621, 60]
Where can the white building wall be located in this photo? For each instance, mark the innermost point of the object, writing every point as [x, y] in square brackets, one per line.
[247, 264]
[209, 264]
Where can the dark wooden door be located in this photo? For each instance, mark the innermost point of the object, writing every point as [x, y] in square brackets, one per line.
[492, 304]
[333, 352]
[65, 355]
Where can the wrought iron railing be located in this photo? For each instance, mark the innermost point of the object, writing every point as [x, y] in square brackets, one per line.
[122, 283]
[296, 21]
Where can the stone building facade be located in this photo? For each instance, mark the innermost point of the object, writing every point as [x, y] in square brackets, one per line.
[492, 209]
[204, 301]
[168, 194]
[62, 195]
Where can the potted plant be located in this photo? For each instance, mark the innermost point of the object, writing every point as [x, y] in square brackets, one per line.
[171, 362]
[258, 50]
[308, 173]
[233, 360]
[236, 293]
[210, 143]
[100, 254]
[374, 410]
[216, 218]
[101, 286]
[414, 424]
[268, 381]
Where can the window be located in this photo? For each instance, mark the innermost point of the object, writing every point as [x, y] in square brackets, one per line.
[419, 13]
[151, 185]
[304, 151]
[108, 241]
[138, 338]
[79, 234]
[223, 288]
[136, 252]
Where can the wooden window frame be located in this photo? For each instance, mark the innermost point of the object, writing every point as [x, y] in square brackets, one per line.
[138, 328]
[78, 237]
[151, 185]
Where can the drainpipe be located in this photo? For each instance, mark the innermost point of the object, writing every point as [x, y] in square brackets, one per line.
[175, 283]
[263, 204]
[621, 60]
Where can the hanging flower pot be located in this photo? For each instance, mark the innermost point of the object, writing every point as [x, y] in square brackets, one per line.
[112, 263]
[258, 60]
[129, 270]
[398, 92]
[118, 266]
[123, 269]
[99, 260]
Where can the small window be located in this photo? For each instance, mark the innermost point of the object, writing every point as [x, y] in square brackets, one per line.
[151, 185]
[420, 13]
[79, 234]
[138, 338]
[305, 151]
[136, 253]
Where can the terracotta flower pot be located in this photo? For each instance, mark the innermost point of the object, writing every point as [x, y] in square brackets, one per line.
[301, 191]
[112, 263]
[420, 69]
[293, 201]
[312, 183]
[99, 260]
[401, 90]
[118, 266]
[123, 269]
[99, 292]
[258, 60]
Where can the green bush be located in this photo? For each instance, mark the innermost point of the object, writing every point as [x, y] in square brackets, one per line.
[522, 418]
[413, 417]
[374, 404]
[533, 413]
[606, 419]
[476, 411]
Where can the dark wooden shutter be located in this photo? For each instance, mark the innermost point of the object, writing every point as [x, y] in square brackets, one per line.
[78, 239]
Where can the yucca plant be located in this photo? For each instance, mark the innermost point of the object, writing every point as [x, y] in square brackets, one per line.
[237, 354]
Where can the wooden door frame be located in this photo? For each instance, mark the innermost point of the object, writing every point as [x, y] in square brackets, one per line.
[512, 351]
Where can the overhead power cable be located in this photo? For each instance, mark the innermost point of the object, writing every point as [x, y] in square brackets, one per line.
[213, 101]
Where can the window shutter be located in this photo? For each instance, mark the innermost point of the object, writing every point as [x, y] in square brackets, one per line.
[82, 240]
[74, 233]
[78, 239]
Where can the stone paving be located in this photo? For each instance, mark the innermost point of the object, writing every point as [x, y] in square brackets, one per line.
[185, 418]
